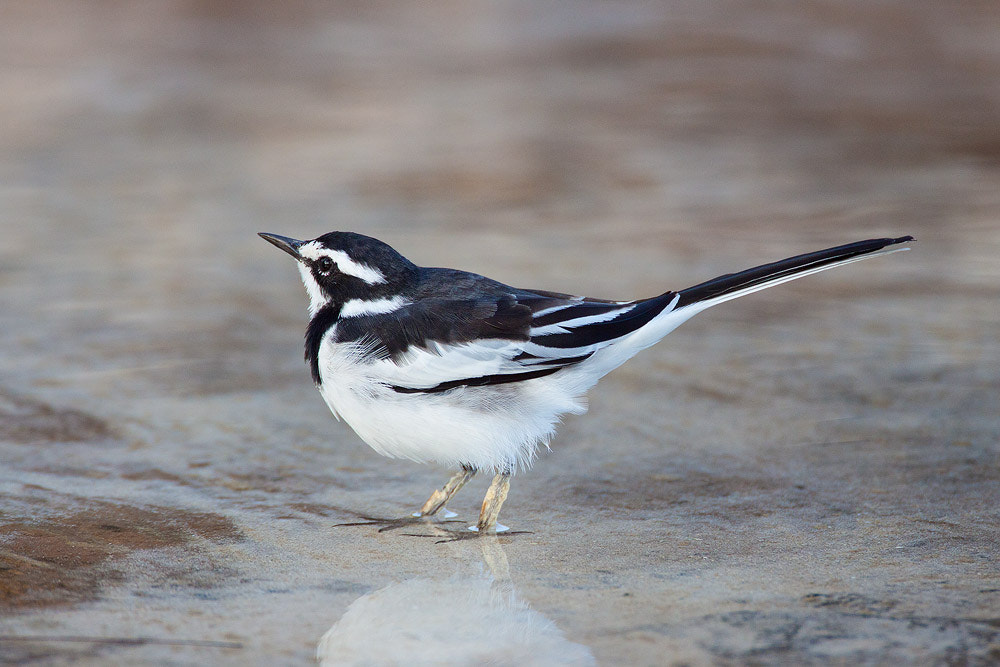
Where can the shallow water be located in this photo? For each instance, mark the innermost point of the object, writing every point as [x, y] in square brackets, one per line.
[806, 475]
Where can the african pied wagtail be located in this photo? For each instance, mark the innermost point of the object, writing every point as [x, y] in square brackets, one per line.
[445, 366]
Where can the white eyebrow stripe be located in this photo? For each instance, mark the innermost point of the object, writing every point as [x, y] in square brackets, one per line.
[359, 307]
[310, 250]
[345, 264]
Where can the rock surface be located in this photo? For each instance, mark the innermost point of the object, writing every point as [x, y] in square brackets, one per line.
[808, 475]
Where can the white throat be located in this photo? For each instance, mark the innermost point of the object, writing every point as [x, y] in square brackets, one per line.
[316, 297]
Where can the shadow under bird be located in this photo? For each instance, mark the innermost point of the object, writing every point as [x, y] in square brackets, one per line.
[445, 366]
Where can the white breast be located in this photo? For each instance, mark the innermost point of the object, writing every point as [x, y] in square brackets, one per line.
[492, 427]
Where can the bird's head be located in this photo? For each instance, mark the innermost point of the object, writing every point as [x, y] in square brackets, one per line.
[341, 266]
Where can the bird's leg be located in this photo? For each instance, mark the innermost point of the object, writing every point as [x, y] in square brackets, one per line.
[433, 505]
[495, 495]
[487, 526]
[441, 496]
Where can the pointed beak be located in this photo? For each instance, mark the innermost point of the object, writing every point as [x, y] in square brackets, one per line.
[291, 246]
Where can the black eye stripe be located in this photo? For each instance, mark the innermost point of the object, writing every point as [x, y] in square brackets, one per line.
[325, 265]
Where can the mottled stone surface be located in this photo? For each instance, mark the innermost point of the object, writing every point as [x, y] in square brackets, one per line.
[808, 475]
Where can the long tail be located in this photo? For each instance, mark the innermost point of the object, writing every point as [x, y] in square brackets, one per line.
[733, 285]
[679, 307]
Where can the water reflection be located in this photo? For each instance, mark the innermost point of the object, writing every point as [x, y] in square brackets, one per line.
[471, 618]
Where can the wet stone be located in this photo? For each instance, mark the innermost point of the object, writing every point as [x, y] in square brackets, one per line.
[68, 559]
[807, 475]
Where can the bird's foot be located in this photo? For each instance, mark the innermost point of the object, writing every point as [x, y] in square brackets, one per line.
[497, 528]
[472, 533]
[387, 524]
[450, 534]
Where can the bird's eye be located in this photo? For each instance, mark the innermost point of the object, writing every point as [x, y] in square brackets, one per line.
[325, 265]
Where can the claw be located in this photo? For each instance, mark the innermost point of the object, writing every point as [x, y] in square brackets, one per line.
[392, 524]
[500, 528]
[460, 535]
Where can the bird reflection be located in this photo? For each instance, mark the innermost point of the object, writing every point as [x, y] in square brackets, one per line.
[472, 618]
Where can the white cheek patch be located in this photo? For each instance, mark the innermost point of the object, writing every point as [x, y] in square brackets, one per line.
[345, 264]
[359, 307]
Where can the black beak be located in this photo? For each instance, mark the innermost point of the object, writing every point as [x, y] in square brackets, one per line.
[291, 246]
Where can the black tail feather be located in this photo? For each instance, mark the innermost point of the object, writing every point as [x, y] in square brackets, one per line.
[733, 282]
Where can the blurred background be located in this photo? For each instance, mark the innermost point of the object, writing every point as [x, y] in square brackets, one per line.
[563, 146]
[614, 149]
[150, 341]
[661, 133]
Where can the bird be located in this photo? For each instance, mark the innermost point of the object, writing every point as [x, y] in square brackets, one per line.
[445, 366]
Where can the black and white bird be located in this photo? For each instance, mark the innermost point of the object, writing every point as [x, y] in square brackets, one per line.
[450, 367]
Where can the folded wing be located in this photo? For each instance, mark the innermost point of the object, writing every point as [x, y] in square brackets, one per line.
[521, 336]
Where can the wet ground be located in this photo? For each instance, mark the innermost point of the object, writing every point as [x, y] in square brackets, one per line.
[807, 475]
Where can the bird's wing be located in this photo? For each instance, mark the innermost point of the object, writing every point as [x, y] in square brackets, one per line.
[578, 327]
[434, 345]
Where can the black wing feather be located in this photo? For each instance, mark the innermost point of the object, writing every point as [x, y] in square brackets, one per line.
[600, 332]
[443, 321]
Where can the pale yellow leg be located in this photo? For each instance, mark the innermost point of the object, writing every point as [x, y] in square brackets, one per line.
[441, 496]
[495, 495]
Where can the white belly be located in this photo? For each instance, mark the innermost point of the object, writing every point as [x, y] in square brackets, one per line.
[492, 427]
